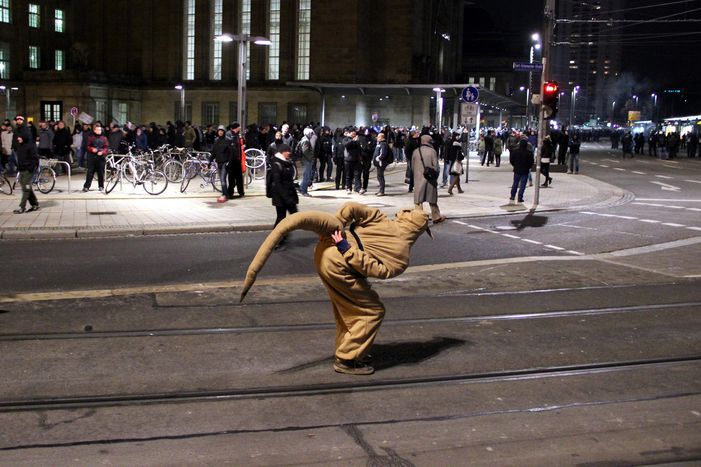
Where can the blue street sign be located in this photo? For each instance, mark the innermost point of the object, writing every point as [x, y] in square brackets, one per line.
[526, 66]
[470, 94]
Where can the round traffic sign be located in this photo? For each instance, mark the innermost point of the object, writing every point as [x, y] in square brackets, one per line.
[470, 94]
[74, 111]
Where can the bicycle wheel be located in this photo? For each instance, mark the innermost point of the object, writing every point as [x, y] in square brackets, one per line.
[189, 172]
[215, 181]
[173, 169]
[111, 178]
[155, 182]
[5, 186]
[129, 172]
[46, 179]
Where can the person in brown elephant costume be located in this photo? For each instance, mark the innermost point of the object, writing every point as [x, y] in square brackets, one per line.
[377, 247]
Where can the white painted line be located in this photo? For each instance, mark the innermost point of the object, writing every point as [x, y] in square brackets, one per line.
[672, 224]
[698, 229]
[665, 177]
[666, 187]
[602, 165]
[650, 221]
[639, 173]
[671, 200]
[532, 241]
[575, 252]
[693, 181]
[694, 209]
[615, 168]
[460, 222]
[630, 218]
[511, 236]
[588, 213]
[612, 160]
[648, 204]
[554, 247]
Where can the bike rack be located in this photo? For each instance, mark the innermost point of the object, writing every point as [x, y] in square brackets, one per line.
[52, 162]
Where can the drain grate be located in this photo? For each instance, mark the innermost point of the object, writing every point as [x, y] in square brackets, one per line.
[103, 213]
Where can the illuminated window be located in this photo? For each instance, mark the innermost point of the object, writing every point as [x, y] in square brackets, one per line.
[4, 11]
[34, 15]
[34, 61]
[189, 46]
[122, 113]
[216, 59]
[58, 60]
[492, 83]
[4, 60]
[58, 20]
[572, 62]
[100, 110]
[246, 29]
[274, 36]
[304, 28]
[482, 81]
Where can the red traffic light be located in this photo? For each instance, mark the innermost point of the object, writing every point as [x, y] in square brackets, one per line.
[551, 88]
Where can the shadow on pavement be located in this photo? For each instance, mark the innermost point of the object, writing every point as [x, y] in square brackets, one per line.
[410, 353]
[531, 220]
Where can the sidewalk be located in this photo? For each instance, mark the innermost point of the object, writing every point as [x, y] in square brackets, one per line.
[132, 211]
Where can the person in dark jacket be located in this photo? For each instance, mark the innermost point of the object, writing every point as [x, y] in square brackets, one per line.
[338, 154]
[522, 160]
[351, 160]
[380, 159]
[410, 143]
[62, 145]
[454, 153]
[282, 188]
[221, 154]
[236, 164]
[27, 162]
[546, 157]
[97, 149]
[325, 154]
[563, 145]
[574, 154]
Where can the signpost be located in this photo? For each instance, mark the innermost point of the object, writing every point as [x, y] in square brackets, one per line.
[527, 66]
[74, 113]
[470, 94]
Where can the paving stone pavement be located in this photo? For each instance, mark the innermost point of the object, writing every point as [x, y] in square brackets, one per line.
[130, 210]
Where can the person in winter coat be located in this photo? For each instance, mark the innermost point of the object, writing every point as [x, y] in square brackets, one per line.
[282, 186]
[380, 160]
[189, 135]
[6, 160]
[546, 157]
[77, 145]
[141, 139]
[426, 191]
[325, 155]
[27, 162]
[221, 154]
[377, 247]
[97, 148]
[498, 149]
[453, 154]
[338, 154]
[522, 160]
[307, 149]
[62, 145]
[574, 154]
[351, 160]
[237, 164]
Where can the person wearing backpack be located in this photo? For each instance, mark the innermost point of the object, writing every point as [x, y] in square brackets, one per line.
[280, 186]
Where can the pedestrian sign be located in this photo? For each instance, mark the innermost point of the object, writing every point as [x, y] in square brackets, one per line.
[470, 94]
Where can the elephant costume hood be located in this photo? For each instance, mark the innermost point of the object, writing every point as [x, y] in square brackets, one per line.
[387, 241]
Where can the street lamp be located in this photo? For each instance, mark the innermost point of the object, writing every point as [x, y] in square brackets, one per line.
[535, 38]
[613, 111]
[439, 106]
[654, 106]
[636, 101]
[181, 88]
[242, 40]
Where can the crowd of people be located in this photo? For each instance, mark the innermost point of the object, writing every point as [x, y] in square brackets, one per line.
[659, 144]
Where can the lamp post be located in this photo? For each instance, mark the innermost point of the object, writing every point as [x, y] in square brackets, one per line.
[535, 38]
[654, 105]
[439, 106]
[181, 88]
[635, 98]
[243, 40]
[613, 111]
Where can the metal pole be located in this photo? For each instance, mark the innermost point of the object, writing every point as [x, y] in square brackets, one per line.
[323, 109]
[528, 90]
[183, 117]
[241, 89]
[547, 34]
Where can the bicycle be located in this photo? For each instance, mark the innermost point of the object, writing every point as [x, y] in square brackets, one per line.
[256, 165]
[5, 185]
[208, 172]
[140, 172]
[44, 177]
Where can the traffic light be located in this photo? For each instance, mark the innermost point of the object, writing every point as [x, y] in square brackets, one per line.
[551, 97]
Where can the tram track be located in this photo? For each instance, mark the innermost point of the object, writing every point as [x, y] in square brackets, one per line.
[121, 400]
[330, 325]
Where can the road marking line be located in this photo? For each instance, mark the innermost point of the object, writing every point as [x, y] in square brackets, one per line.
[612, 160]
[667, 187]
[554, 247]
[460, 222]
[650, 221]
[628, 217]
[531, 241]
[602, 165]
[693, 181]
[619, 169]
[671, 200]
[575, 252]
[639, 173]
[694, 209]
[511, 236]
[698, 229]
[665, 177]
[672, 224]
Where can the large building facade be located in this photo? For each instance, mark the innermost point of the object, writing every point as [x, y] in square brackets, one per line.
[343, 61]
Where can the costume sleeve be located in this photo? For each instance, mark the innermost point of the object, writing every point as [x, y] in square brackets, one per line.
[366, 264]
[358, 213]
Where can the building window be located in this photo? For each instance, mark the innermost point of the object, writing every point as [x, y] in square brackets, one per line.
[246, 29]
[296, 113]
[4, 11]
[304, 27]
[216, 59]
[101, 111]
[121, 113]
[267, 112]
[210, 113]
[4, 60]
[51, 110]
[482, 81]
[58, 60]
[233, 112]
[189, 46]
[34, 19]
[58, 20]
[179, 111]
[274, 36]
[492, 83]
[34, 61]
